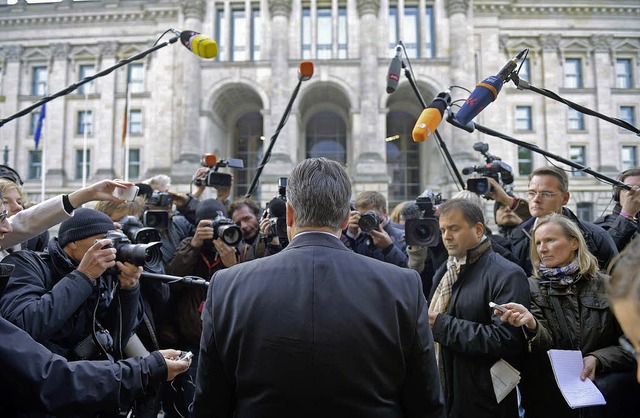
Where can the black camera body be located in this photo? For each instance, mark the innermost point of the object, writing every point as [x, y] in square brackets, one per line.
[137, 232]
[226, 229]
[369, 221]
[424, 231]
[494, 168]
[214, 178]
[161, 199]
[147, 255]
[158, 219]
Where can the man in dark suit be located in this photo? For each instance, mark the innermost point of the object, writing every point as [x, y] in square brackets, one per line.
[317, 330]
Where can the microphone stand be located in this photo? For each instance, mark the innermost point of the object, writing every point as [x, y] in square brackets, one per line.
[267, 155]
[87, 79]
[469, 127]
[525, 85]
[175, 279]
[443, 147]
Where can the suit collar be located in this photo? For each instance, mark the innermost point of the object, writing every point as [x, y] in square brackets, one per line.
[311, 238]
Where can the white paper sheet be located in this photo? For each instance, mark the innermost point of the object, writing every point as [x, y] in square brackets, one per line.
[567, 366]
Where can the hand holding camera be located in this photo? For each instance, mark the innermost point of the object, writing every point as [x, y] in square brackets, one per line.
[98, 258]
[129, 275]
[203, 232]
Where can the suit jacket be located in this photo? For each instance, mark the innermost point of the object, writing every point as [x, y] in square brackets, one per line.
[316, 331]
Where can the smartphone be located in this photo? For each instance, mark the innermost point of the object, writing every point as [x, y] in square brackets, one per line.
[126, 194]
[185, 355]
[494, 305]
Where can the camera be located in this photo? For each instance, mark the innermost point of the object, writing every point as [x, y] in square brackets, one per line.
[146, 255]
[277, 212]
[158, 219]
[137, 232]
[494, 168]
[369, 221]
[424, 231]
[226, 229]
[162, 199]
[214, 178]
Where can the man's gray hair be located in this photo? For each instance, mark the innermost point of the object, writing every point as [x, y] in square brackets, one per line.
[319, 191]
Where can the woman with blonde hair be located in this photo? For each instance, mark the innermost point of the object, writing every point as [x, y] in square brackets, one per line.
[569, 311]
[13, 201]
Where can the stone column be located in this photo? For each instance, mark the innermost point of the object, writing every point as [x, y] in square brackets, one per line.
[552, 75]
[108, 155]
[603, 160]
[188, 103]
[57, 151]
[369, 148]
[10, 132]
[283, 81]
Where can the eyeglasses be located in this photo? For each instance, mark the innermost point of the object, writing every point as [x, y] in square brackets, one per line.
[627, 346]
[3, 216]
[543, 195]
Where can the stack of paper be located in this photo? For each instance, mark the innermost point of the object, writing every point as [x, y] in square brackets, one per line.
[567, 366]
[505, 377]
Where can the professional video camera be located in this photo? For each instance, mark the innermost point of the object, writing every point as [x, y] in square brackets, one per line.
[147, 255]
[276, 209]
[157, 198]
[424, 231]
[158, 219]
[137, 232]
[494, 168]
[226, 229]
[369, 221]
[214, 178]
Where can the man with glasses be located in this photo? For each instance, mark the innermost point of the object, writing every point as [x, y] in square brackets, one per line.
[548, 192]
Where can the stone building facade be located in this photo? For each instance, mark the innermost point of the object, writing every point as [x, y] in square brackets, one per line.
[182, 106]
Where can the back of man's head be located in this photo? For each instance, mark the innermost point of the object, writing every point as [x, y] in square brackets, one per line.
[372, 199]
[319, 191]
[561, 175]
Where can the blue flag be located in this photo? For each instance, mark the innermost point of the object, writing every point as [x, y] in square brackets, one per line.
[36, 136]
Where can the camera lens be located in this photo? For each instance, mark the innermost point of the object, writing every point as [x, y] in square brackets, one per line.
[230, 234]
[368, 221]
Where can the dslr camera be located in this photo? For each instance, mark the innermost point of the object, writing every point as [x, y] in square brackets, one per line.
[276, 210]
[369, 221]
[494, 168]
[162, 199]
[226, 229]
[424, 231]
[137, 232]
[148, 256]
[214, 178]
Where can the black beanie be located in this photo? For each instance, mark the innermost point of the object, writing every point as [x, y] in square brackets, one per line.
[208, 209]
[83, 224]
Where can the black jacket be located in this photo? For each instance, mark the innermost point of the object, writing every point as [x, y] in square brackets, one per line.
[621, 229]
[472, 338]
[598, 241]
[51, 300]
[316, 331]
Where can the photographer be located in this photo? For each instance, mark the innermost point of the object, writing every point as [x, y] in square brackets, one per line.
[70, 297]
[385, 241]
[200, 255]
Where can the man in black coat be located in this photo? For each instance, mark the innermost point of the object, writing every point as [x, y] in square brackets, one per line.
[547, 193]
[316, 330]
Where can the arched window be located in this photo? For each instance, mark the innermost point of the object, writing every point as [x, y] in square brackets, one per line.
[327, 137]
[248, 147]
[403, 158]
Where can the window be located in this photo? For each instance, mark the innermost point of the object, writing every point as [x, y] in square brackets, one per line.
[221, 28]
[573, 73]
[256, 35]
[86, 71]
[248, 141]
[238, 36]
[575, 120]
[35, 165]
[39, 81]
[327, 137]
[407, 29]
[80, 162]
[403, 158]
[585, 211]
[136, 78]
[624, 79]
[578, 154]
[523, 118]
[525, 161]
[629, 157]
[85, 122]
[321, 31]
[241, 30]
[135, 122]
[628, 114]
[134, 163]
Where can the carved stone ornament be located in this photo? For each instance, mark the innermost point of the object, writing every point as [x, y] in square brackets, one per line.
[107, 49]
[193, 9]
[280, 8]
[456, 6]
[60, 52]
[12, 52]
[550, 42]
[368, 7]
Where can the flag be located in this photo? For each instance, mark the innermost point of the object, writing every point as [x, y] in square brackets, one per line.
[36, 136]
[126, 115]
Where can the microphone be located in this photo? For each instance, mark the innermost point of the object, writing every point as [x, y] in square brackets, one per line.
[199, 44]
[431, 117]
[305, 71]
[486, 91]
[393, 76]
